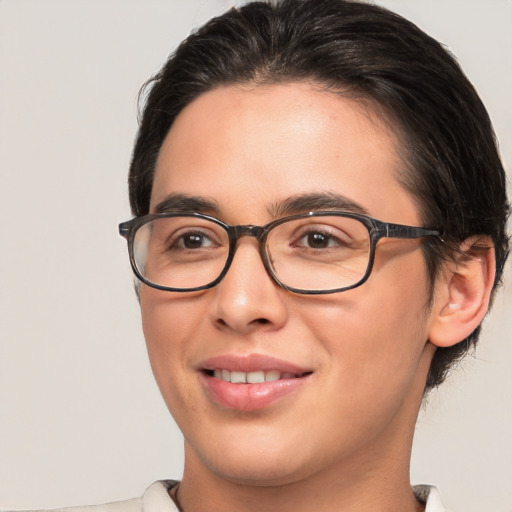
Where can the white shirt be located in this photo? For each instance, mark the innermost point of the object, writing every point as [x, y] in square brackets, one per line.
[157, 499]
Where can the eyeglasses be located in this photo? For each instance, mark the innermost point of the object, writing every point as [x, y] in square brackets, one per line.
[312, 253]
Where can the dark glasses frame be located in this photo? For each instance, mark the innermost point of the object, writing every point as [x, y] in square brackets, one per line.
[376, 229]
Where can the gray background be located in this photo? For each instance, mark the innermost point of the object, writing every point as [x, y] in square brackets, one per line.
[81, 420]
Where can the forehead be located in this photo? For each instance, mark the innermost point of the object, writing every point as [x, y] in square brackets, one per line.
[266, 144]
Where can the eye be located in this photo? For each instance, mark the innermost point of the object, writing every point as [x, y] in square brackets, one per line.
[318, 240]
[191, 240]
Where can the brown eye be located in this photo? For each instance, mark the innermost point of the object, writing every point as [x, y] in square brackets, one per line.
[193, 241]
[318, 240]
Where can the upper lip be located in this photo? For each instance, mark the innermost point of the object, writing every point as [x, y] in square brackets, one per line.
[251, 363]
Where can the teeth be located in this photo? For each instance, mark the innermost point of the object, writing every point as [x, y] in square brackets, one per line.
[255, 377]
[272, 375]
[238, 377]
[258, 377]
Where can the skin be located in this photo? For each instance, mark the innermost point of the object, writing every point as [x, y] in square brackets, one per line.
[345, 436]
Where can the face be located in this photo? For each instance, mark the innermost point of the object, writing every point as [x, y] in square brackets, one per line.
[351, 366]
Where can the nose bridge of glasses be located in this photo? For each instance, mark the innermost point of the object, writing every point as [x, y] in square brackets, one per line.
[247, 230]
[257, 232]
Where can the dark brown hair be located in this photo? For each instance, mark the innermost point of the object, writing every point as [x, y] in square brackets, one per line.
[366, 52]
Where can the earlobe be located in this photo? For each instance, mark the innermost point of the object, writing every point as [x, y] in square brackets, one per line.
[462, 293]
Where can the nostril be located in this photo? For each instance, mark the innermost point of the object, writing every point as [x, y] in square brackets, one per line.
[262, 321]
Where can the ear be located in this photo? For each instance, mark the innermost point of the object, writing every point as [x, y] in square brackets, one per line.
[462, 292]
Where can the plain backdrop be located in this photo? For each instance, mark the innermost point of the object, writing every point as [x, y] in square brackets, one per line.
[81, 420]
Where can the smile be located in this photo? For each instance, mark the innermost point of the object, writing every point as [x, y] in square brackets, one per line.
[252, 382]
[256, 377]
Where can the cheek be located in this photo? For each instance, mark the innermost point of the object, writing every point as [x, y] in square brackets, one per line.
[168, 318]
[375, 334]
[169, 323]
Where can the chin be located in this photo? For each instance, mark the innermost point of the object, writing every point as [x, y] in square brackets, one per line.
[252, 461]
[260, 473]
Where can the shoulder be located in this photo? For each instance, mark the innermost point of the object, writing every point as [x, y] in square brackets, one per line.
[155, 499]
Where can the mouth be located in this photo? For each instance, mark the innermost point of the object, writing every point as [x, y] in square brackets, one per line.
[250, 383]
[254, 377]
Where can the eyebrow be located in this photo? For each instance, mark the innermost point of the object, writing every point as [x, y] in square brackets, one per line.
[300, 203]
[183, 203]
[304, 203]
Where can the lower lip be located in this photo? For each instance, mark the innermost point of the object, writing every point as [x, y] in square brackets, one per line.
[250, 397]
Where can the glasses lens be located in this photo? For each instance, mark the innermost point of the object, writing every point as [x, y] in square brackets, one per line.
[180, 252]
[319, 253]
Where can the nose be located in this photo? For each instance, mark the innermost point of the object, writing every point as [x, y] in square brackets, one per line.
[247, 299]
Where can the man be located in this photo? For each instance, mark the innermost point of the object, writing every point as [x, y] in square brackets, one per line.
[320, 227]
[295, 374]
